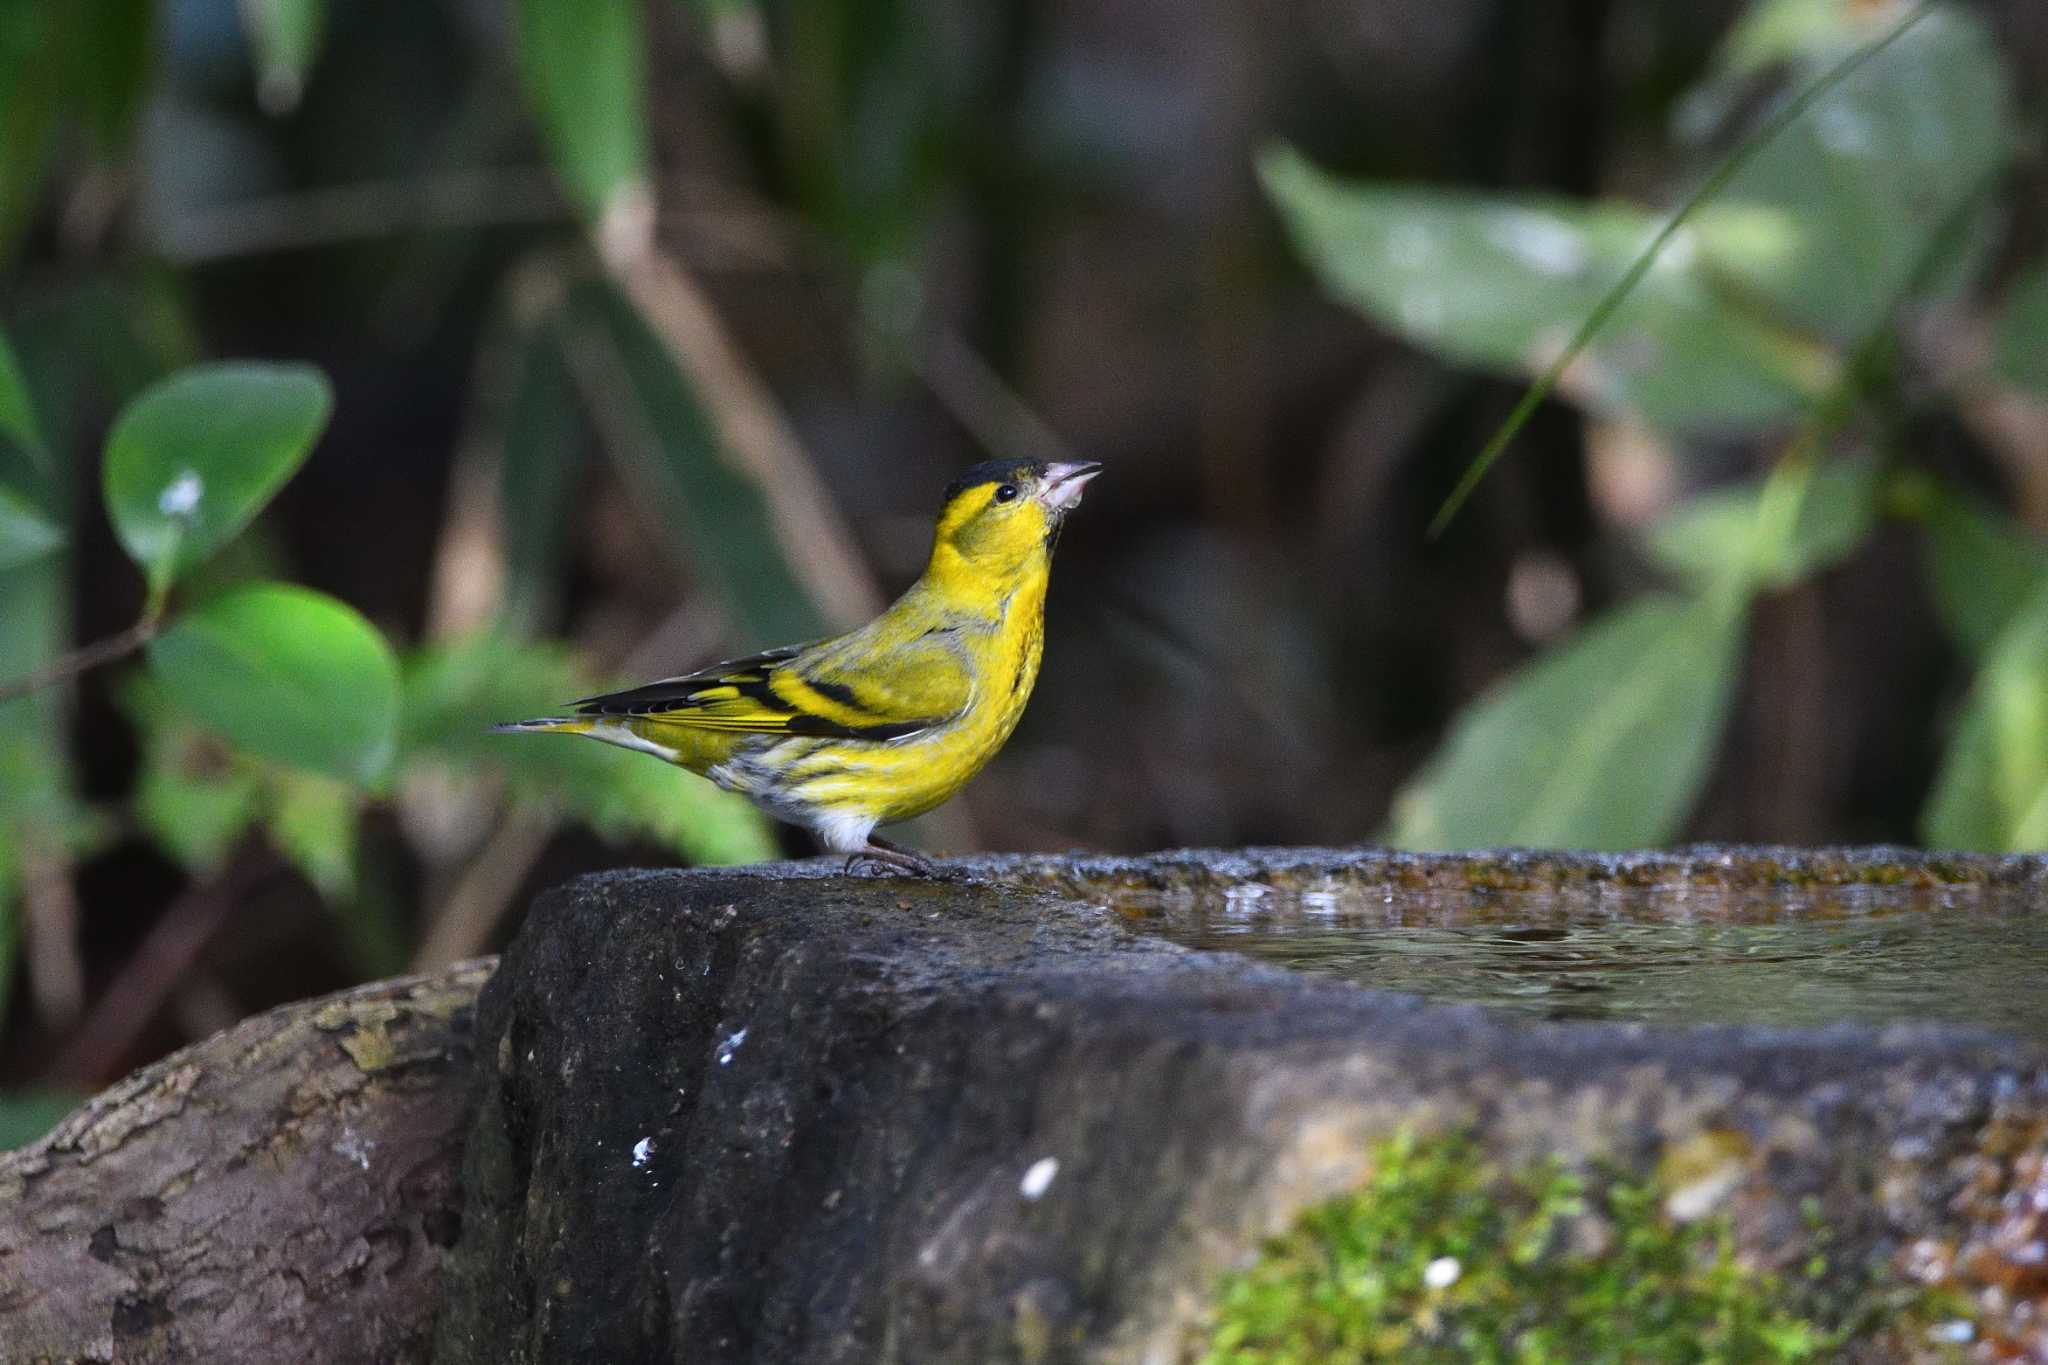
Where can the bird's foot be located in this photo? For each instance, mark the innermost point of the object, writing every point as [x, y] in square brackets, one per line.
[892, 857]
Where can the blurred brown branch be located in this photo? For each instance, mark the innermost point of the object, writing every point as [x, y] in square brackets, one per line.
[464, 920]
[153, 972]
[815, 538]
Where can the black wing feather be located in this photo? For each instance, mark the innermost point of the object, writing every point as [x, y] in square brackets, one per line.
[748, 674]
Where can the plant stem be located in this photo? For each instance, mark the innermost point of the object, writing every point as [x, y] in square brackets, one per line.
[1533, 397]
[79, 660]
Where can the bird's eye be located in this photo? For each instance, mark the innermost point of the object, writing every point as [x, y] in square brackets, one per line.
[1006, 492]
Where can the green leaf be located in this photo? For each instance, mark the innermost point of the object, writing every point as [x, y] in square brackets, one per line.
[195, 457]
[30, 506]
[1602, 743]
[1829, 221]
[31, 92]
[289, 674]
[197, 815]
[194, 796]
[113, 54]
[36, 792]
[1983, 567]
[454, 691]
[38, 804]
[284, 40]
[666, 446]
[2022, 354]
[314, 823]
[26, 533]
[543, 455]
[585, 69]
[1714, 537]
[1503, 283]
[26, 1115]
[1992, 791]
[198, 798]
[17, 410]
[1779, 30]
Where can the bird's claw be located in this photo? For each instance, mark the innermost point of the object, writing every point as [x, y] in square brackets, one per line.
[887, 858]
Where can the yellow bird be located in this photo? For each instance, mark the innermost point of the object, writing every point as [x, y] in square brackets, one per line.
[887, 721]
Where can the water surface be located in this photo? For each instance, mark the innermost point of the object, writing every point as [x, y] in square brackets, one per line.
[1876, 955]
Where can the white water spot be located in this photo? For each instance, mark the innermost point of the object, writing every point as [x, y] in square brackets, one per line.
[1242, 902]
[181, 497]
[1955, 1332]
[731, 1045]
[1540, 242]
[1845, 130]
[1422, 310]
[353, 1146]
[1320, 904]
[1697, 1198]
[1442, 1273]
[1039, 1178]
[1410, 246]
[643, 1151]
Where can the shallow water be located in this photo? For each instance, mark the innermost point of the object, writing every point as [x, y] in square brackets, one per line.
[1870, 955]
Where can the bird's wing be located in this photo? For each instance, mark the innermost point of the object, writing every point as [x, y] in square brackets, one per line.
[830, 689]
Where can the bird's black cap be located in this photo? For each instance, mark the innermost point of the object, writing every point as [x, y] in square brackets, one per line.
[992, 471]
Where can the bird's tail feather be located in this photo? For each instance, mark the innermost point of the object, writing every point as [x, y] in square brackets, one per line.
[566, 725]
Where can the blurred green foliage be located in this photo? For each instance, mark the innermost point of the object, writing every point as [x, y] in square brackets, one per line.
[1779, 302]
[1599, 745]
[1502, 283]
[270, 716]
[272, 707]
[585, 65]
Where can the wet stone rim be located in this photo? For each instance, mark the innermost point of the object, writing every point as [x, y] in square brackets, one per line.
[782, 1114]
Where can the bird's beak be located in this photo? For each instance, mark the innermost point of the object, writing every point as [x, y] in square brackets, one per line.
[1064, 481]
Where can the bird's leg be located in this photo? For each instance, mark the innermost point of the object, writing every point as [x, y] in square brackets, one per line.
[886, 854]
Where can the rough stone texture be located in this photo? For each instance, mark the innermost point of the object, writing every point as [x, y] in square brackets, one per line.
[787, 1117]
[280, 1192]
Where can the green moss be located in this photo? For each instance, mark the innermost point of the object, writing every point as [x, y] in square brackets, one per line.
[1547, 1269]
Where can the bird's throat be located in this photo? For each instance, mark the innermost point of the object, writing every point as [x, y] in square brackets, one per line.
[982, 590]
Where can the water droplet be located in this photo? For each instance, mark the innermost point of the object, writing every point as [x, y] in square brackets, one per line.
[181, 497]
[1039, 1178]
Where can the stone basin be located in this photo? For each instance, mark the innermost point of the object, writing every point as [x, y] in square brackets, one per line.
[1770, 937]
[786, 1115]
